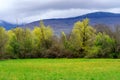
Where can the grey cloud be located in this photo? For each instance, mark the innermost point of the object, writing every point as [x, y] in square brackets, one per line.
[23, 9]
[29, 5]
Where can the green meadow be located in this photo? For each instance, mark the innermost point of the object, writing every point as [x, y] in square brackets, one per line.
[60, 69]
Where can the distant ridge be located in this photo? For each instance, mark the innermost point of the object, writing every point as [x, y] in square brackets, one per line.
[66, 24]
[6, 25]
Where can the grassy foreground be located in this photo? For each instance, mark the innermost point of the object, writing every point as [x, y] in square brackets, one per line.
[60, 69]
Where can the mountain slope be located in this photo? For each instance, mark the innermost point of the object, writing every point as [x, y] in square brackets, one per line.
[6, 25]
[66, 24]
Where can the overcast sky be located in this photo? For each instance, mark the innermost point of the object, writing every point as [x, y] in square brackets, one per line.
[25, 11]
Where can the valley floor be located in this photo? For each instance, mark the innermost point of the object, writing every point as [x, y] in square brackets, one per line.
[60, 69]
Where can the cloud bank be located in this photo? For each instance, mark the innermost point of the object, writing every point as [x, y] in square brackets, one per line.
[32, 10]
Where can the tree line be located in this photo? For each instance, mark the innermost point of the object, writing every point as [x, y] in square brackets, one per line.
[84, 41]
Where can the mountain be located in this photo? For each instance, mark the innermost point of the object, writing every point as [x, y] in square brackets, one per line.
[66, 24]
[6, 25]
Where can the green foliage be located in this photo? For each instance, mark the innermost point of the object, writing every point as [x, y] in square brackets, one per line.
[65, 41]
[82, 42]
[105, 45]
[43, 36]
[82, 37]
[3, 41]
[20, 42]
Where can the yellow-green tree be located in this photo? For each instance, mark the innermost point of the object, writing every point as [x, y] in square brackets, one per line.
[12, 45]
[65, 40]
[20, 42]
[43, 36]
[3, 40]
[82, 37]
[105, 45]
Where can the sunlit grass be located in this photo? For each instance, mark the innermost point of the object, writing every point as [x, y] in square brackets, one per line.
[60, 69]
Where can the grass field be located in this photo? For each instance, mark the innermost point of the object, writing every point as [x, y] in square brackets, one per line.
[60, 69]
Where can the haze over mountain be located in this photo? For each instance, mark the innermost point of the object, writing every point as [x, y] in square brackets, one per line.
[66, 24]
